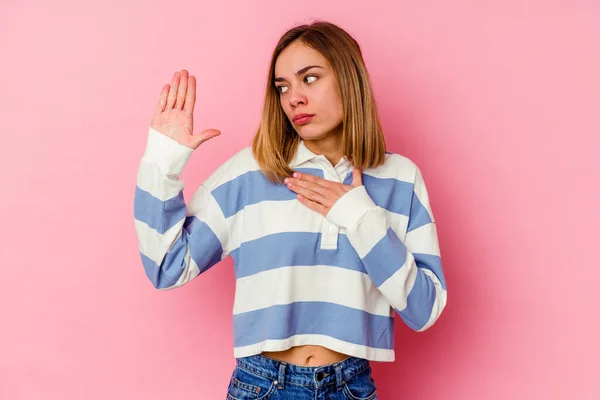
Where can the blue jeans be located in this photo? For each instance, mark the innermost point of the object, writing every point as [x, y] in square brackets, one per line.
[261, 378]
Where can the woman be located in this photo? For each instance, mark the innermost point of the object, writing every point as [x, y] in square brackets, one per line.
[330, 235]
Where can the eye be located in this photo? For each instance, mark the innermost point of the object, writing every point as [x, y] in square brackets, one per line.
[281, 88]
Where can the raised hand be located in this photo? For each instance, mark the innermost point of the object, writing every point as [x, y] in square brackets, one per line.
[174, 113]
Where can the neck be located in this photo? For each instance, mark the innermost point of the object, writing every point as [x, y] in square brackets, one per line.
[330, 146]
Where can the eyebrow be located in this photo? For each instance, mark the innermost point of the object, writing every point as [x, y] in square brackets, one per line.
[300, 72]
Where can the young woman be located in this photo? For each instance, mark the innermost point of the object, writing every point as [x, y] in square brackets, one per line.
[331, 235]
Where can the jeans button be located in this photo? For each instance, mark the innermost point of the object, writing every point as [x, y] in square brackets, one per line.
[319, 376]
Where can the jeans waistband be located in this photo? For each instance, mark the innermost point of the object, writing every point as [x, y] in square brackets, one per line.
[284, 372]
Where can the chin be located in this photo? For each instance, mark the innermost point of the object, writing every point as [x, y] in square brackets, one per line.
[311, 133]
[309, 136]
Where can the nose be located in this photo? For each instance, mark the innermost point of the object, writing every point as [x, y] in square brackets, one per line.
[297, 98]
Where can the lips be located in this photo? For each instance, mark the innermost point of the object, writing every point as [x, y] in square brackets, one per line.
[302, 118]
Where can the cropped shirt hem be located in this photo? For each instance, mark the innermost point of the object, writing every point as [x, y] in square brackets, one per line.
[351, 349]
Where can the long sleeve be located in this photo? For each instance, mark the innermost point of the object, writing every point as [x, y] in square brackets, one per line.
[408, 274]
[177, 242]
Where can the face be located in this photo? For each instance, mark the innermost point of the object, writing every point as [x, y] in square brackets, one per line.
[307, 85]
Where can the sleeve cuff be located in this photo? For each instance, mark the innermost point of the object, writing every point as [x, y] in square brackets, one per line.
[349, 209]
[166, 153]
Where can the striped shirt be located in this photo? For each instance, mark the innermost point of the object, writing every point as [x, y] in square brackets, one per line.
[301, 278]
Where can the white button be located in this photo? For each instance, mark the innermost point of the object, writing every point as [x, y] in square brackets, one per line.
[329, 235]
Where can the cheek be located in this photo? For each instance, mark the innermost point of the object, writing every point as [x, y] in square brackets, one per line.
[332, 103]
[285, 106]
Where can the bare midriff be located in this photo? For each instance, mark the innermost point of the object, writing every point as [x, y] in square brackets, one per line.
[307, 355]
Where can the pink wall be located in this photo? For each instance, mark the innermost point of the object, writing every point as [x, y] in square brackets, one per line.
[496, 101]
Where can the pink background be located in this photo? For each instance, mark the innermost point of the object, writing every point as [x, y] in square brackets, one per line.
[496, 101]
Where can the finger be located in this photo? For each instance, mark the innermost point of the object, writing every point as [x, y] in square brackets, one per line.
[312, 178]
[329, 190]
[309, 186]
[308, 193]
[181, 91]
[190, 98]
[173, 92]
[356, 177]
[205, 135]
[162, 99]
[313, 205]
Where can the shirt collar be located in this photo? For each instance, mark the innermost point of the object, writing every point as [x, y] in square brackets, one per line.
[303, 154]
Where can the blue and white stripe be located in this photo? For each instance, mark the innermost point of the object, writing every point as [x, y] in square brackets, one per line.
[301, 278]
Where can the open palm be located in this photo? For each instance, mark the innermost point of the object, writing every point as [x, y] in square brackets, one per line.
[174, 113]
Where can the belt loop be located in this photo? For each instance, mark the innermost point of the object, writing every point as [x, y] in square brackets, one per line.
[339, 378]
[281, 378]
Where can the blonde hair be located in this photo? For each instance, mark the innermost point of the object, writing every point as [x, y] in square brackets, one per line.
[275, 142]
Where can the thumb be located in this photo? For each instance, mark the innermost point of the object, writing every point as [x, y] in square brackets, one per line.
[203, 136]
[356, 177]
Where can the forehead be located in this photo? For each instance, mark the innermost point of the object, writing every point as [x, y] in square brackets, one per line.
[297, 56]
